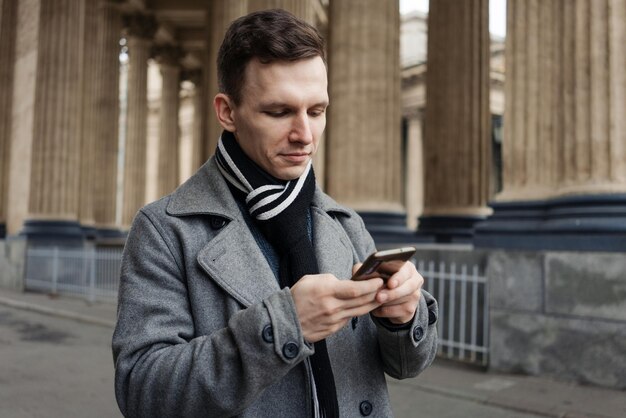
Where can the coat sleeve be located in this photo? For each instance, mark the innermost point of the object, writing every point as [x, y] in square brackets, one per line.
[407, 350]
[162, 369]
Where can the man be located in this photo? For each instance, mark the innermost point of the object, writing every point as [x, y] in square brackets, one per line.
[233, 296]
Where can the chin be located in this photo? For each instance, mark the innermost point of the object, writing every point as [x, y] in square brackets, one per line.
[289, 174]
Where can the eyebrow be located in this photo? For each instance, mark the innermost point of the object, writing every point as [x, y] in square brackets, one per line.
[271, 105]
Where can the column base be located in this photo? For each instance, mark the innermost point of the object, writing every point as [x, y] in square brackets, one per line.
[111, 237]
[89, 232]
[51, 232]
[447, 229]
[388, 227]
[575, 223]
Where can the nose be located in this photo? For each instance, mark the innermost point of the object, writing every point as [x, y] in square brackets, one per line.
[301, 129]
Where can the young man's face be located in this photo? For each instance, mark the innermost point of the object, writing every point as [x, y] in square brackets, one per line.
[282, 115]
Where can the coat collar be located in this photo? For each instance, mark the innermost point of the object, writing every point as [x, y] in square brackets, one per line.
[206, 192]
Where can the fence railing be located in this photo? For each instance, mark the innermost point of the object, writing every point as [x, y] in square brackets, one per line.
[460, 290]
[92, 273]
[463, 324]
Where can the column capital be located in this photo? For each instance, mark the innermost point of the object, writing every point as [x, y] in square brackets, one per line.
[140, 25]
[192, 75]
[413, 113]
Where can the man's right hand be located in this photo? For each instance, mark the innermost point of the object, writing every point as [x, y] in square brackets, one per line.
[324, 303]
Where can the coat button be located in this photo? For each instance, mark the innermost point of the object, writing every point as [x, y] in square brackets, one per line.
[268, 334]
[366, 408]
[432, 317]
[217, 223]
[418, 333]
[290, 350]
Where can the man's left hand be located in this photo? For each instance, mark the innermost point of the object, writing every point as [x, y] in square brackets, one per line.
[400, 297]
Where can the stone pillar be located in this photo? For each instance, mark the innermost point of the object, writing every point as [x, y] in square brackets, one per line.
[168, 164]
[414, 186]
[7, 60]
[565, 136]
[363, 166]
[107, 122]
[46, 143]
[140, 31]
[221, 14]
[195, 76]
[457, 121]
[89, 76]
[593, 99]
[529, 130]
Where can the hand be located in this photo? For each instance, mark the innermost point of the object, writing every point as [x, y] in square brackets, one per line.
[400, 297]
[324, 303]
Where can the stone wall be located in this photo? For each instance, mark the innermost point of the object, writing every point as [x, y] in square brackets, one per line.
[12, 262]
[559, 313]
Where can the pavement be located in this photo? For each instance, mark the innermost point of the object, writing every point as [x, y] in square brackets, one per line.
[55, 360]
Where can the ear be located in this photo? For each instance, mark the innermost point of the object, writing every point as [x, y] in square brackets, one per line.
[224, 110]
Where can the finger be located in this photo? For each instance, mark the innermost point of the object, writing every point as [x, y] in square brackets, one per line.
[402, 275]
[361, 310]
[356, 267]
[407, 288]
[350, 289]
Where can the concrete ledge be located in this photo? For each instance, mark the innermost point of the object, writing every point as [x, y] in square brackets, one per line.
[56, 312]
[572, 349]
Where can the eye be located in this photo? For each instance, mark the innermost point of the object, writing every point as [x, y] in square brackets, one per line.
[277, 113]
[316, 112]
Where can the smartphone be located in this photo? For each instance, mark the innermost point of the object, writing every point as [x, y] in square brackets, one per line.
[383, 263]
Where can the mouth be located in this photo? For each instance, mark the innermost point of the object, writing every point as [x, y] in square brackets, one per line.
[296, 157]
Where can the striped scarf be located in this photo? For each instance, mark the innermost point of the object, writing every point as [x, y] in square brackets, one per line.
[280, 209]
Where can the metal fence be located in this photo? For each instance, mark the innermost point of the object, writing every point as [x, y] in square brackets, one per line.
[92, 273]
[463, 323]
[461, 291]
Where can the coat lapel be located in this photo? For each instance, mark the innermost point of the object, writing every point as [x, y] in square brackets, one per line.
[235, 262]
[232, 258]
[332, 246]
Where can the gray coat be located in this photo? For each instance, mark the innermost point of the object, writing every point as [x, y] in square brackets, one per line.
[197, 296]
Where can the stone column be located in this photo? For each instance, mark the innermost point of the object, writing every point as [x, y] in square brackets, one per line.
[593, 99]
[46, 141]
[457, 121]
[107, 120]
[140, 31]
[221, 14]
[565, 135]
[89, 76]
[168, 164]
[7, 60]
[363, 166]
[414, 187]
[195, 76]
[530, 130]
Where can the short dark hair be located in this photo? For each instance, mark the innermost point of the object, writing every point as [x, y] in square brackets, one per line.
[268, 35]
